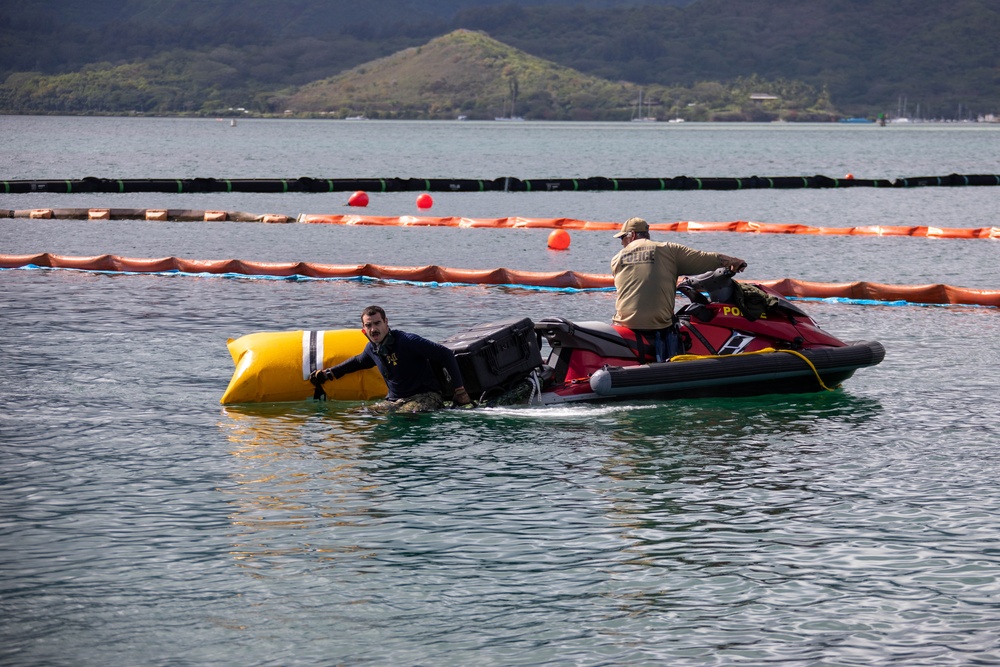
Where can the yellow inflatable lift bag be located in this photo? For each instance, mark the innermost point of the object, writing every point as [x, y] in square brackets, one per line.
[274, 366]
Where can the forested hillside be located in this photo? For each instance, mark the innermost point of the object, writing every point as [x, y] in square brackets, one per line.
[467, 73]
[175, 56]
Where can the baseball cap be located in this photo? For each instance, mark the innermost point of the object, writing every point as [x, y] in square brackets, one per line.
[633, 225]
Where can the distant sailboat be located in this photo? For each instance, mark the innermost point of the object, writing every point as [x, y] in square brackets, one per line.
[511, 117]
[637, 116]
[901, 113]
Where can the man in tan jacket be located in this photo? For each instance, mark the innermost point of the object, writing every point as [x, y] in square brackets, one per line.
[646, 275]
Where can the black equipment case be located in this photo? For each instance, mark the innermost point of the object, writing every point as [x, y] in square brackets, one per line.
[495, 354]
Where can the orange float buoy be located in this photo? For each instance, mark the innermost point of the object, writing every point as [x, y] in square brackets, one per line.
[559, 239]
[359, 198]
[424, 201]
[849, 177]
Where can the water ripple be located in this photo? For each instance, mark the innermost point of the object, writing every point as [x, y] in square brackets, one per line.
[142, 523]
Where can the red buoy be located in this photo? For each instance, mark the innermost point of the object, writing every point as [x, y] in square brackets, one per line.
[424, 201]
[359, 198]
[559, 239]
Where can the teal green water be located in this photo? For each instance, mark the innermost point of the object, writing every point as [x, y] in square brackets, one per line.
[143, 523]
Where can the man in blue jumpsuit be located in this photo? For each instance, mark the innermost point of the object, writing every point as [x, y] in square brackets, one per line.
[406, 362]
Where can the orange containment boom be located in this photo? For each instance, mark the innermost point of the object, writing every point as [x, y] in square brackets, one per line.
[562, 280]
[740, 226]
[933, 294]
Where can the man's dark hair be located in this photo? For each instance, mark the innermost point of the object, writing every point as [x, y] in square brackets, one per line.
[373, 310]
[641, 235]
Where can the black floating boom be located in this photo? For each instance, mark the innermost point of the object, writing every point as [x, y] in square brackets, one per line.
[502, 184]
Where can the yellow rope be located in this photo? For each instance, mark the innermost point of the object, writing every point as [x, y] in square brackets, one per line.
[766, 350]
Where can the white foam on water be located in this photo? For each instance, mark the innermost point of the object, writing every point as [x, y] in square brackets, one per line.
[563, 412]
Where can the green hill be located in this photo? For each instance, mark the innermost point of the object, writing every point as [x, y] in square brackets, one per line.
[470, 74]
[464, 73]
[935, 60]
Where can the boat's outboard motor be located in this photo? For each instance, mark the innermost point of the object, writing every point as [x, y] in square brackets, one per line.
[718, 284]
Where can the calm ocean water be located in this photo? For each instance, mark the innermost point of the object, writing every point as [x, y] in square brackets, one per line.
[142, 523]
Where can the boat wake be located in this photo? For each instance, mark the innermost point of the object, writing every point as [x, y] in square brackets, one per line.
[562, 412]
